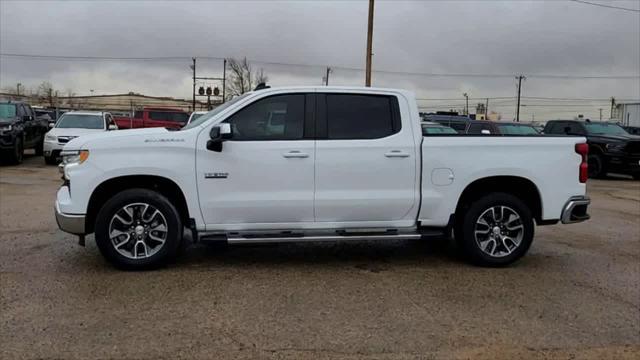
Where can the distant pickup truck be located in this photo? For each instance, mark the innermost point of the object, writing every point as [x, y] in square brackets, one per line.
[316, 164]
[154, 117]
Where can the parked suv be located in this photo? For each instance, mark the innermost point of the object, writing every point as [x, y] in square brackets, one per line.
[611, 148]
[19, 130]
[71, 125]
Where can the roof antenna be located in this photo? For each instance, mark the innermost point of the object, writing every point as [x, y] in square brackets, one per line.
[261, 86]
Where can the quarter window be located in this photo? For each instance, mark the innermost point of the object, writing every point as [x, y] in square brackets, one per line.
[279, 117]
[361, 116]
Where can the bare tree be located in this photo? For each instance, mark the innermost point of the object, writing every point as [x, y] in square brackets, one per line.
[241, 77]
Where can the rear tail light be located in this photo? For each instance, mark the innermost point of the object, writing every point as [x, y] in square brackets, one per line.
[583, 173]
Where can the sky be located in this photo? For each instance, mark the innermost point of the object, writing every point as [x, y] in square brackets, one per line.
[564, 48]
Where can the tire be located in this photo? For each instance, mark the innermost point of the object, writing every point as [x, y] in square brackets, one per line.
[596, 166]
[636, 176]
[40, 147]
[131, 215]
[50, 160]
[16, 155]
[499, 246]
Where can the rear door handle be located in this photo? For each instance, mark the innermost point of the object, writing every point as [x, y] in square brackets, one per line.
[295, 154]
[396, 154]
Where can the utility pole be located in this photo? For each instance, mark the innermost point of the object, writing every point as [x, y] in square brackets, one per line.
[18, 89]
[224, 80]
[600, 114]
[326, 78]
[613, 105]
[520, 78]
[466, 108]
[486, 110]
[193, 101]
[369, 45]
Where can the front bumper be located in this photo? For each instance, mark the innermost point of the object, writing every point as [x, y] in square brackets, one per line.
[71, 223]
[52, 148]
[624, 164]
[575, 210]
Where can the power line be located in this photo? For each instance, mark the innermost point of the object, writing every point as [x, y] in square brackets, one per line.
[606, 6]
[391, 72]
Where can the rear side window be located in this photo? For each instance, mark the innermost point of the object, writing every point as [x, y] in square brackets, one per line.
[361, 116]
[555, 128]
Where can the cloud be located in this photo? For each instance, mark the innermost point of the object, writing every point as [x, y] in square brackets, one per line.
[490, 37]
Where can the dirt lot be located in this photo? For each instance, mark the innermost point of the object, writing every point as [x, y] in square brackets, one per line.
[576, 295]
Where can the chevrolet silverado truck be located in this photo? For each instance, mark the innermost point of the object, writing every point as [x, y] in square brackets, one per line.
[335, 164]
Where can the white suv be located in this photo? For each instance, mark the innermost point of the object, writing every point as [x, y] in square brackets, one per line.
[71, 125]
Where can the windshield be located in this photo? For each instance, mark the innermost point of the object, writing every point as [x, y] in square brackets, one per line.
[78, 121]
[606, 129]
[437, 130]
[200, 120]
[510, 129]
[194, 116]
[7, 111]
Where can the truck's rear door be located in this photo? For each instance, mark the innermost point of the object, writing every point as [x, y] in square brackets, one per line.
[365, 167]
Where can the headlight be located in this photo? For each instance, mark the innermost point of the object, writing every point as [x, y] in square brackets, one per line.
[5, 128]
[615, 146]
[71, 157]
[51, 138]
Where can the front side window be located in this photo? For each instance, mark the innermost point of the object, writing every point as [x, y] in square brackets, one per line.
[474, 129]
[7, 111]
[279, 117]
[77, 121]
[360, 116]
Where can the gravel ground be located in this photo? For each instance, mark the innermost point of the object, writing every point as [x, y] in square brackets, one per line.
[575, 295]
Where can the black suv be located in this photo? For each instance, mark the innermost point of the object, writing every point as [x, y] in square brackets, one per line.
[611, 148]
[19, 130]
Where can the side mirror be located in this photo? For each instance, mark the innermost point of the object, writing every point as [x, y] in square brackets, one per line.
[112, 127]
[26, 118]
[51, 125]
[218, 135]
[485, 132]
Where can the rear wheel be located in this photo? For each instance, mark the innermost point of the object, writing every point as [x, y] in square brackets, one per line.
[16, 154]
[40, 147]
[50, 160]
[496, 230]
[596, 166]
[138, 229]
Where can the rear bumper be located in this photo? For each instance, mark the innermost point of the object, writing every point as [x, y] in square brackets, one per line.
[71, 223]
[575, 210]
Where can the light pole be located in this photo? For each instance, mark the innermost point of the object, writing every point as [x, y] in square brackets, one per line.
[367, 80]
[466, 108]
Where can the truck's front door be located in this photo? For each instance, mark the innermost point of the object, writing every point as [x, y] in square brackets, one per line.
[365, 162]
[264, 175]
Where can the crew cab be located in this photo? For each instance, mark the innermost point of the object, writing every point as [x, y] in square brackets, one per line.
[338, 164]
[611, 148]
[20, 129]
[154, 117]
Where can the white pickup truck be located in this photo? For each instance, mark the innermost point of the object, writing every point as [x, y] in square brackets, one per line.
[336, 163]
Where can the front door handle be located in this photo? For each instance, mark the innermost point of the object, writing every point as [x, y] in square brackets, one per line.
[396, 154]
[295, 154]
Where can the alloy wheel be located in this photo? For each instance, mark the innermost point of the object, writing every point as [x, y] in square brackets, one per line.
[499, 231]
[138, 230]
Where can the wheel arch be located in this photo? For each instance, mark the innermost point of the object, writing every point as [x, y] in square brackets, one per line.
[521, 187]
[110, 187]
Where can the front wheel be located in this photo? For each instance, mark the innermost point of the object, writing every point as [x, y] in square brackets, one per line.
[495, 230]
[138, 229]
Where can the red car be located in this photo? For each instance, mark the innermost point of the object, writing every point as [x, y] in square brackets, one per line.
[154, 117]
